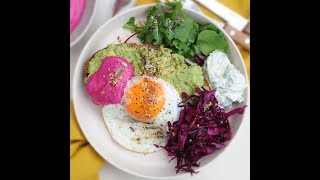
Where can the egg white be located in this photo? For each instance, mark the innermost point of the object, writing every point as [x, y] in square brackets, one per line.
[139, 136]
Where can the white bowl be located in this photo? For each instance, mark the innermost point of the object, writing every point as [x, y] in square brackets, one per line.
[89, 116]
[84, 23]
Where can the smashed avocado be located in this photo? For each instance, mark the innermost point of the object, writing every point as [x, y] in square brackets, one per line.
[153, 61]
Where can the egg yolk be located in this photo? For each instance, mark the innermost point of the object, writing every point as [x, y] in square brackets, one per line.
[145, 99]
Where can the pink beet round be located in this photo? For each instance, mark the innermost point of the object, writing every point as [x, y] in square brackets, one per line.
[106, 86]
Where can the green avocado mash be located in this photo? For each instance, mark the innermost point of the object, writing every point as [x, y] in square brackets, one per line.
[154, 61]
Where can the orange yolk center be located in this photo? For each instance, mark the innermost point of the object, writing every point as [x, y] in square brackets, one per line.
[145, 100]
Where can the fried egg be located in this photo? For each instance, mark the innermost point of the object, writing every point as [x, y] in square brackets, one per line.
[140, 120]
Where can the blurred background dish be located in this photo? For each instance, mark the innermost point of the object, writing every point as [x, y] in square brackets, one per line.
[81, 15]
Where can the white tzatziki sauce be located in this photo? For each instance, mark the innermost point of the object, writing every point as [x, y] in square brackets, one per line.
[225, 78]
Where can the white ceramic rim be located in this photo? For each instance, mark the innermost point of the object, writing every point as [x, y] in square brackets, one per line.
[97, 148]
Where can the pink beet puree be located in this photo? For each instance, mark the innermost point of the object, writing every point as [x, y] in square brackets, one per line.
[76, 11]
[106, 86]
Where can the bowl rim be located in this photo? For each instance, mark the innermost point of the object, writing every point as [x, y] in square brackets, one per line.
[98, 150]
[77, 39]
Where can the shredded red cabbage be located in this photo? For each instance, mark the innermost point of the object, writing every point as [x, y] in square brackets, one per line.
[200, 59]
[202, 128]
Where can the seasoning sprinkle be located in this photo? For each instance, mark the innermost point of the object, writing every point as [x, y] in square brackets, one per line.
[118, 73]
[124, 64]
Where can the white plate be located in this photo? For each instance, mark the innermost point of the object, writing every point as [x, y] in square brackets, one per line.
[154, 165]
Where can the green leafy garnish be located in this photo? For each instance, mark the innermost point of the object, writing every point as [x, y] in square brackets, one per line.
[187, 31]
[208, 26]
[131, 26]
[209, 41]
[166, 24]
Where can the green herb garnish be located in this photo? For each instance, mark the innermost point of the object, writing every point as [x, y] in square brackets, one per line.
[209, 41]
[166, 24]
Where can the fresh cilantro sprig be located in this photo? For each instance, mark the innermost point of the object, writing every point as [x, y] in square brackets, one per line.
[166, 24]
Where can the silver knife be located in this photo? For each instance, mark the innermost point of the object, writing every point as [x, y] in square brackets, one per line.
[228, 15]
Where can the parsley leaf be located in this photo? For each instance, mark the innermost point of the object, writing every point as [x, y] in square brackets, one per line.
[209, 41]
[187, 31]
[156, 35]
[131, 26]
